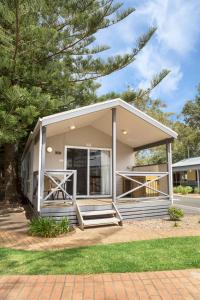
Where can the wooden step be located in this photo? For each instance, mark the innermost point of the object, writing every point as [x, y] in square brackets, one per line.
[98, 212]
[98, 222]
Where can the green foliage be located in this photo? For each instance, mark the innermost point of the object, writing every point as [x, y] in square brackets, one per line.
[183, 190]
[49, 58]
[196, 190]
[48, 227]
[175, 213]
[191, 111]
[188, 142]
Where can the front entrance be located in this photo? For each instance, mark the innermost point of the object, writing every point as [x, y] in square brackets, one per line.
[93, 167]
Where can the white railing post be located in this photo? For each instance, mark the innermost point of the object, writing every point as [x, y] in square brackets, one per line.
[41, 166]
[169, 168]
[114, 137]
[43, 157]
[74, 186]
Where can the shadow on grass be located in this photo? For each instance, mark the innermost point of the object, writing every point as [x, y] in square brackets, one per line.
[153, 255]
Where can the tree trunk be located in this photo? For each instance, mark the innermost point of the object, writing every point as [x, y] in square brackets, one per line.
[10, 164]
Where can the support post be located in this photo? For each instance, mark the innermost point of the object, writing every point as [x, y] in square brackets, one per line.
[42, 153]
[114, 144]
[198, 181]
[74, 186]
[169, 168]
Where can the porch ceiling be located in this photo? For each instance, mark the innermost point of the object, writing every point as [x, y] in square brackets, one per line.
[139, 131]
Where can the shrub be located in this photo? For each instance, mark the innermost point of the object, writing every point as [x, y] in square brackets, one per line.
[183, 189]
[196, 190]
[188, 189]
[175, 213]
[48, 227]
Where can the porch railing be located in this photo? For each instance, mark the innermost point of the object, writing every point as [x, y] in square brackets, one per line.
[60, 182]
[136, 184]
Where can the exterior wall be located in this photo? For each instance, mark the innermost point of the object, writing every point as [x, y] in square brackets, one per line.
[30, 165]
[36, 156]
[191, 175]
[87, 137]
[185, 177]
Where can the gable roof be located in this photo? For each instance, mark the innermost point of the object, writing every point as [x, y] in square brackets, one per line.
[193, 161]
[77, 112]
[158, 131]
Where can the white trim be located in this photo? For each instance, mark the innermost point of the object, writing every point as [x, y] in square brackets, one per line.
[170, 174]
[114, 153]
[106, 105]
[39, 167]
[88, 168]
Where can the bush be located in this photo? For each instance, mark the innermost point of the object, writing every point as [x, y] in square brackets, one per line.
[175, 213]
[188, 189]
[196, 190]
[183, 189]
[48, 227]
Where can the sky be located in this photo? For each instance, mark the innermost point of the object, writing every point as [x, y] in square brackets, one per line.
[174, 46]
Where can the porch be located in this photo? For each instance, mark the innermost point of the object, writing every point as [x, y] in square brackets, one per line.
[128, 209]
[82, 165]
[140, 198]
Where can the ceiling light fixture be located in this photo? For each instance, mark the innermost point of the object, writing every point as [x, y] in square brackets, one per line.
[49, 149]
[72, 127]
[124, 131]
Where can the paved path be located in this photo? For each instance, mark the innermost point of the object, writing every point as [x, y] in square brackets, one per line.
[151, 285]
[189, 204]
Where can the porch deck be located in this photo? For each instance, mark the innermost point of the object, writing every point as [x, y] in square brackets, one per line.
[129, 209]
[99, 201]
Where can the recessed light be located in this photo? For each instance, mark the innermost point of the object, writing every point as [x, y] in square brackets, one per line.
[124, 131]
[72, 127]
[49, 149]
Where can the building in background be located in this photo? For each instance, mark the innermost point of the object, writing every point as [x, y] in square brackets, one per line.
[187, 172]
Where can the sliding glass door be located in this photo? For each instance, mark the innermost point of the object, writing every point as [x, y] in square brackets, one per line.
[77, 160]
[99, 172]
[93, 170]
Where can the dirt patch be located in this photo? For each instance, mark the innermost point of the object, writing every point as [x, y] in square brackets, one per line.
[13, 233]
[190, 222]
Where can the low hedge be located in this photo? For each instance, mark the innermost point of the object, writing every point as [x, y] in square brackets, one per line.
[183, 190]
[175, 213]
[48, 227]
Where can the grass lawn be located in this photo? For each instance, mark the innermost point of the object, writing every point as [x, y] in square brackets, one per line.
[152, 255]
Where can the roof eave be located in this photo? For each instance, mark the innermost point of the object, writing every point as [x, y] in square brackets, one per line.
[106, 105]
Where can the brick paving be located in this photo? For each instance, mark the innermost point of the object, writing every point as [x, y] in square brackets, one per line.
[164, 285]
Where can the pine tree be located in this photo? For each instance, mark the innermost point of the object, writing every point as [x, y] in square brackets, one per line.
[49, 62]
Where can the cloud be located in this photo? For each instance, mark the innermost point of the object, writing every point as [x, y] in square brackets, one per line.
[177, 22]
[150, 62]
[177, 32]
[174, 44]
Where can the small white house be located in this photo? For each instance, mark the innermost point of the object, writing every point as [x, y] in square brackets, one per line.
[80, 164]
[187, 172]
